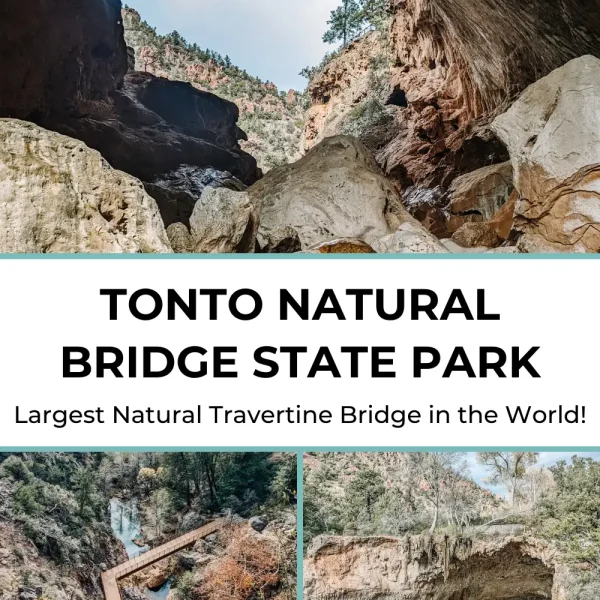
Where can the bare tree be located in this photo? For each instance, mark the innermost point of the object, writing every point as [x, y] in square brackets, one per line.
[507, 469]
[537, 484]
[158, 510]
[433, 472]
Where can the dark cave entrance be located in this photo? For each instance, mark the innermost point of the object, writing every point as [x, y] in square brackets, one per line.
[509, 574]
[398, 98]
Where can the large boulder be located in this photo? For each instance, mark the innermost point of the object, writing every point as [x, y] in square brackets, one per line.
[411, 238]
[191, 128]
[178, 191]
[482, 192]
[477, 235]
[58, 195]
[553, 136]
[224, 221]
[335, 191]
[259, 523]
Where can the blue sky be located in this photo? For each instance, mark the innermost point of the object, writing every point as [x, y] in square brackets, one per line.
[479, 474]
[271, 39]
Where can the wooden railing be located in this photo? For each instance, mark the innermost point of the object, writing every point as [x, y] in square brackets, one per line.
[110, 578]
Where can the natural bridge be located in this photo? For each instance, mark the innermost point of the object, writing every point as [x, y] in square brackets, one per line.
[110, 578]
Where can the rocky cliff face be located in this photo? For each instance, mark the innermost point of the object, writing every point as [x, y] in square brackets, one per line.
[336, 192]
[60, 57]
[64, 68]
[434, 99]
[553, 134]
[274, 121]
[449, 66]
[423, 94]
[436, 568]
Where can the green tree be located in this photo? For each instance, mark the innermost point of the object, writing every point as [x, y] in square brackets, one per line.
[344, 23]
[374, 12]
[362, 495]
[351, 18]
[84, 482]
[285, 482]
[507, 469]
[571, 515]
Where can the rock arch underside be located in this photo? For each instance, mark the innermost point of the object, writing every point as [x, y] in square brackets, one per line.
[425, 568]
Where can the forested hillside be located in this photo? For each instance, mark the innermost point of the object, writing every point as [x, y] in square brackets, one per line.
[391, 493]
[61, 515]
[273, 120]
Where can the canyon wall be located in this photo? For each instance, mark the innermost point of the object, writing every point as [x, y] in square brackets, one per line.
[435, 568]
[61, 57]
[440, 74]
[64, 68]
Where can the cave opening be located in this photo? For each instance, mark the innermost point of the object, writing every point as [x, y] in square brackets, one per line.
[398, 98]
[509, 574]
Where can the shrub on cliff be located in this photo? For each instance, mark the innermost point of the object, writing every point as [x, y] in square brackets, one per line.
[251, 568]
[55, 499]
[370, 123]
[571, 515]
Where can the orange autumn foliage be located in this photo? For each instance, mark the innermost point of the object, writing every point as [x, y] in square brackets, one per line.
[249, 570]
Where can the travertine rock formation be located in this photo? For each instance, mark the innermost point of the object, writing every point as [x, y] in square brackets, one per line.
[449, 67]
[482, 192]
[224, 221]
[476, 197]
[553, 135]
[177, 191]
[436, 568]
[335, 191]
[158, 125]
[57, 195]
[411, 238]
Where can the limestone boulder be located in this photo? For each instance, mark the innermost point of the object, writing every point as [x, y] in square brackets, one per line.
[180, 238]
[335, 191]
[156, 576]
[476, 235]
[553, 136]
[177, 191]
[482, 192]
[224, 221]
[411, 238]
[58, 195]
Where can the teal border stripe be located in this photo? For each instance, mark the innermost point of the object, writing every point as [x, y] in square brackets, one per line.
[300, 527]
[325, 257]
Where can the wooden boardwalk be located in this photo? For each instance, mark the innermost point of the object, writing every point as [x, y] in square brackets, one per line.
[110, 578]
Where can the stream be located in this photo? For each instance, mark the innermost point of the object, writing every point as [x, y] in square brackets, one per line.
[126, 525]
